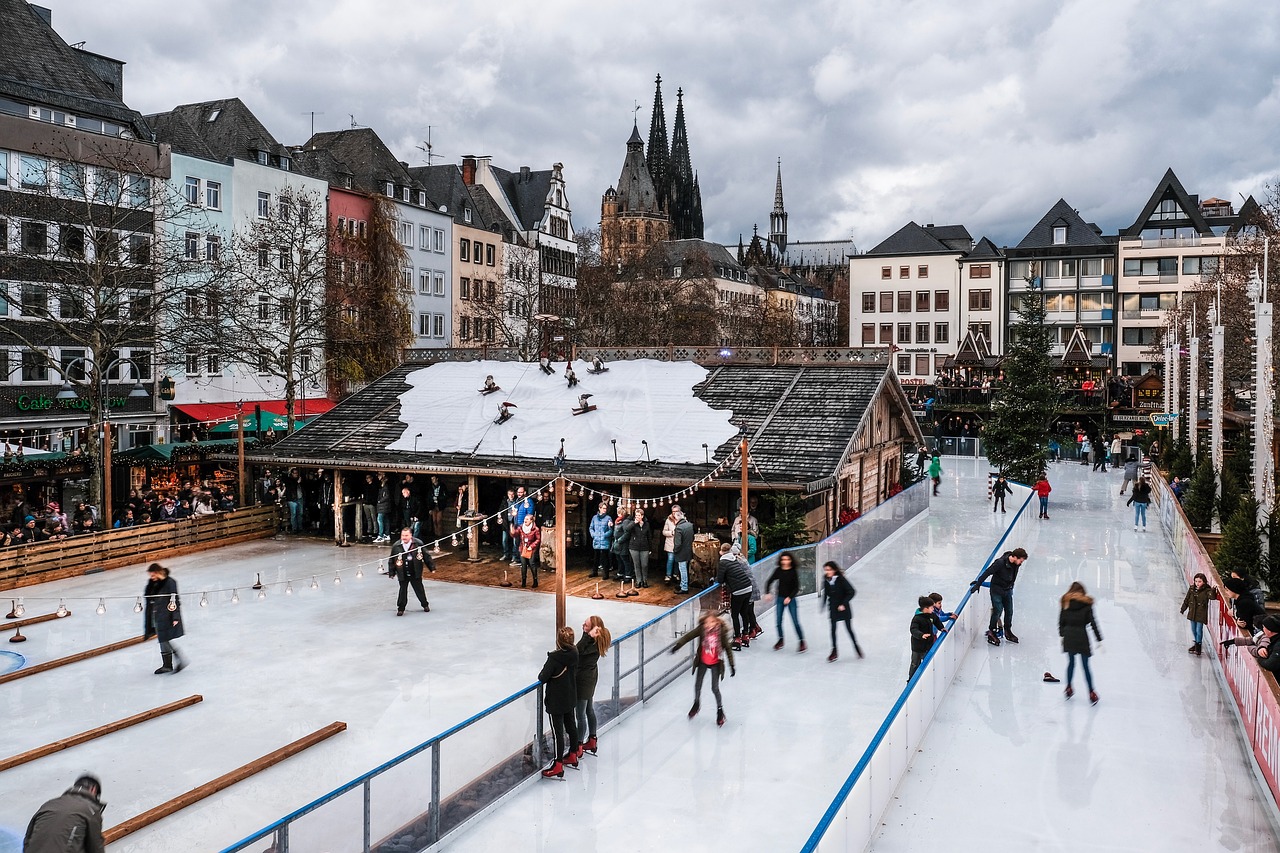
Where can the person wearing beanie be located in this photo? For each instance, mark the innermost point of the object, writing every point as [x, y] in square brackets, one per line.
[70, 823]
[1074, 617]
[1265, 650]
[734, 576]
[925, 628]
[1004, 574]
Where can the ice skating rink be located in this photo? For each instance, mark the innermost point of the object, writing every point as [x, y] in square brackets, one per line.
[1008, 765]
[270, 671]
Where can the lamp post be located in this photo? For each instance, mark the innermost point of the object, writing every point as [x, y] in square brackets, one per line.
[67, 392]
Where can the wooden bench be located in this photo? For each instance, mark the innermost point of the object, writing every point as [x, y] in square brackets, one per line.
[45, 561]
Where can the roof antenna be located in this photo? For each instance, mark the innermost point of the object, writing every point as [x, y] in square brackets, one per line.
[425, 148]
[354, 123]
[313, 115]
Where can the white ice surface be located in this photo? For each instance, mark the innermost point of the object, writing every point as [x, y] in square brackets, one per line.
[270, 672]
[1008, 765]
[639, 400]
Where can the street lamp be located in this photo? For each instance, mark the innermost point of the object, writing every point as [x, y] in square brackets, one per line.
[67, 392]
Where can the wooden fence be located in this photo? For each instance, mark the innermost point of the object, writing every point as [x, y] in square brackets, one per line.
[79, 555]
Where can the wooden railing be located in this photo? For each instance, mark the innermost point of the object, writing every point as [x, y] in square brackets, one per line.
[45, 561]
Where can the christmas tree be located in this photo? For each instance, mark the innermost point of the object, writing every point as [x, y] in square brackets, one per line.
[1022, 413]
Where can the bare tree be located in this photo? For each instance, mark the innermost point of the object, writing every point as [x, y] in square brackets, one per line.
[87, 235]
[269, 310]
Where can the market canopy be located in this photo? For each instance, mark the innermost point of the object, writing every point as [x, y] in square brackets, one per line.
[165, 452]
[266, 422]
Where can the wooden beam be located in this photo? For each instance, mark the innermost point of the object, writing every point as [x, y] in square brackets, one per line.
[208, 789]
[33, 620]
[76, 658]
[91, 734]
[562, 556]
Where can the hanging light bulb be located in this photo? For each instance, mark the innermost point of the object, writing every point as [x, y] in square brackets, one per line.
[454, 541]
[62, 608]
[484, 526]
[204, 600]
[235, 596]
[137, 607]
[288, 588]
[315, 584]
[262, 594]
[173, 603]
[102, 606]
[469, 532]
[337, 579]
[359, 572]
[19, 608]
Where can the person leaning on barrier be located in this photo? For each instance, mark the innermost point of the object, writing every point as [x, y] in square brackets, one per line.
[1264, 648]
[70, 823]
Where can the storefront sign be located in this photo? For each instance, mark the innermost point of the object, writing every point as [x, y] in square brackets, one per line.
[44, 403]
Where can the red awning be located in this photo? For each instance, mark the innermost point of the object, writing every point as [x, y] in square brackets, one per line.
[218, 412]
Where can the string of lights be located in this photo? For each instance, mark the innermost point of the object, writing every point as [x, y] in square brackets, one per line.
[646, 503]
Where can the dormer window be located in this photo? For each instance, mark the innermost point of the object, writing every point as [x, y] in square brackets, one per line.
[466, 214]
[213, 116]
[262, 158]
[422, 199]
[1059, 235]
[404, 194]
[284, 163]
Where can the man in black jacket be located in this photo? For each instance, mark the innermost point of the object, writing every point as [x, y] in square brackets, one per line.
[408, 557]
[70, 823]
[1004, 574]
[734, 576]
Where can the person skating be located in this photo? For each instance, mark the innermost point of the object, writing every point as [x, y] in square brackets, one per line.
[407, 560]
[935, 472]
[592, 645]
[559, 673]
[162, 617]
[837, 594]
[71, 823]
[1075, 616]
[1042, 490]
[999, 489]
[709, 656]
[1130, 473]
[926, 625]
[528, 540]
[1003, 572]
[732, 574]
[1140, 498]
[1196, 605]
[788, 580]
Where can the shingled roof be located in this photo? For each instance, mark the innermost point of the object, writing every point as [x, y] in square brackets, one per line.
[230, 129]
[367, 158]
[527, 190]
[1079, 232]
[800, 422]
[444, 185]
[37, 67]
[174, 129]
[914, 239]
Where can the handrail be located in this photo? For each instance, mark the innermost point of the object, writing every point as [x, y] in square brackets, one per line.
[829, 815]
[364, 778]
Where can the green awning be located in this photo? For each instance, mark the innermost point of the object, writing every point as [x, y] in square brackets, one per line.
[165, 452]
[267, 422]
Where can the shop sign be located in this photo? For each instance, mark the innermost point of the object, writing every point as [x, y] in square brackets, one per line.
[44, 403]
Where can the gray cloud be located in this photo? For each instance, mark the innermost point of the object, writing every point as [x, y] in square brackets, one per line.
[982, 113]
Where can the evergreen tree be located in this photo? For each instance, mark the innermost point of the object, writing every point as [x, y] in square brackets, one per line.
[1240, 548]
[1199, 500]
[788, 527]
[1230, 495]
[1023, 411]
[1180, 462]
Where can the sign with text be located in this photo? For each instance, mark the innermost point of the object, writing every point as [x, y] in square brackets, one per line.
[1163, 419]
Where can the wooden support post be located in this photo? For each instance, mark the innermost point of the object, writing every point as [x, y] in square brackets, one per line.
[244, 492]
[562, 556]
[339, 516]
[473, 507]
[91, 734]
[745, 509]
[107, 519]
[195, 795]
[76, 658]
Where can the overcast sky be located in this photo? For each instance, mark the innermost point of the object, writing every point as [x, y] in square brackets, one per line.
[982, 113]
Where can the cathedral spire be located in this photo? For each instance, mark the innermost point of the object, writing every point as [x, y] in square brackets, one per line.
[684, 194]
[659, 155]
[778, 218]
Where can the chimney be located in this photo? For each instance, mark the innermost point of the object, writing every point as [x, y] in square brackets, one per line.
[524, 174]
[469, 170]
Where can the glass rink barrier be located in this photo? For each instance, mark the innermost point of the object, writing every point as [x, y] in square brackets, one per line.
[854, 816]
[430, 791]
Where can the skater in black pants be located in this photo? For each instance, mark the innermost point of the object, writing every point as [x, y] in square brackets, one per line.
[408, 557]
[1076, 615]
[560, 674]
[713, 647]
[838, 595]
[925, 628]
[592, 645]
[788, 580]
[998, 491]
[163, 617]
[1003, 572]
[734, 576]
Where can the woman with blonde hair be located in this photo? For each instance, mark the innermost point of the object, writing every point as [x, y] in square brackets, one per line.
[592, 645]
[1075, 616]
[559, 673]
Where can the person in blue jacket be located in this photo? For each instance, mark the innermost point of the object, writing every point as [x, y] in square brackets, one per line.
[601, 530]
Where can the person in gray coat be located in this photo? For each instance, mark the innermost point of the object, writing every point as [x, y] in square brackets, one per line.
[1130, 473]
[69, 824]
[682, 547]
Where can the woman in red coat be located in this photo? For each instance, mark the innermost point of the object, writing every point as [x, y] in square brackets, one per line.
[530, 540]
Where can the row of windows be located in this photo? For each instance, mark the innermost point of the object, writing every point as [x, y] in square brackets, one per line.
[284, 208]
[43, 366]
[1062, 268]
[922, 271]
[193, 243]
[1060, 302]
[86, 123]
[430, 325]
[200, 192]
[477, 252]
[429, 239]
[477, 329]
[477, 290]
[922, 363]
[941, 333]
[430, 282]
[33, 301]
[73, 180]
[941, 301]
[1191, 265]
[209, 363]
[72, 241]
